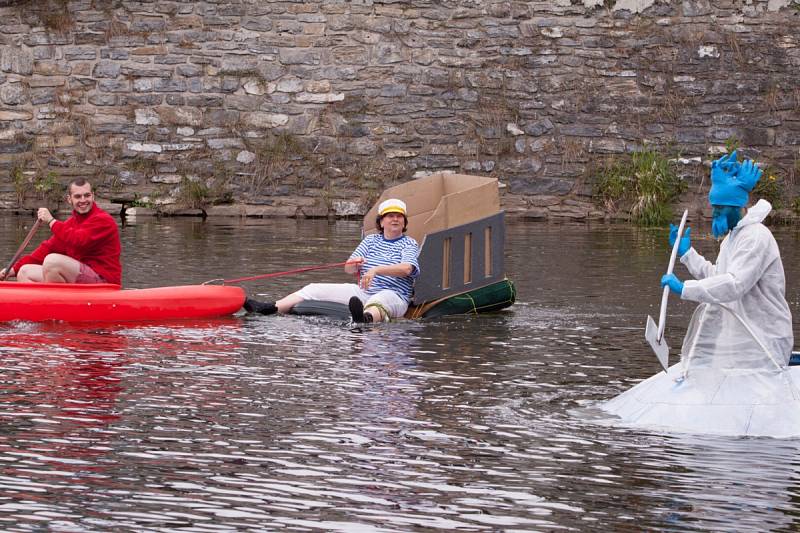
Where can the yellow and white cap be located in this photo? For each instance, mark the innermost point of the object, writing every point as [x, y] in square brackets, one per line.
[392, 205]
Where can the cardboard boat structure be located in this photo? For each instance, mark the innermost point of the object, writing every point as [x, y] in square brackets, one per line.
[457, 221]
[456, 218]
[105, 302]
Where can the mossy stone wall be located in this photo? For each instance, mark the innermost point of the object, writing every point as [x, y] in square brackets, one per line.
[290, 108]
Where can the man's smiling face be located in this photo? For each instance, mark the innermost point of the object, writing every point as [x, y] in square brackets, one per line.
[81, 198]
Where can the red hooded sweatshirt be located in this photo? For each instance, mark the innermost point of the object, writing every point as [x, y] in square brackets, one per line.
[92, 239]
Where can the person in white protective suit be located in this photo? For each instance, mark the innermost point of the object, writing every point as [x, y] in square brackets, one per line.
[733, 376]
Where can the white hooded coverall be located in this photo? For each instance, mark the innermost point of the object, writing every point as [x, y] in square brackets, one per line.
[733, 377]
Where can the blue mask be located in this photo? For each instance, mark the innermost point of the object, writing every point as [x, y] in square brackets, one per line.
[724, 218]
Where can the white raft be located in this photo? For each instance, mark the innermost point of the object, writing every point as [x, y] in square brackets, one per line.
[708, 395]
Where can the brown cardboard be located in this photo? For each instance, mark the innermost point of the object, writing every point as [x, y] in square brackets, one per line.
[440, 201]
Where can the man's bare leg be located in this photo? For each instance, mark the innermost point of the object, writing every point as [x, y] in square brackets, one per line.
[59, 268]
[30, 274]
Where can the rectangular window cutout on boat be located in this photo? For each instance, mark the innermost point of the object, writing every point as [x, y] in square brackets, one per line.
[468, 258]
[446, 247]
[487, 251]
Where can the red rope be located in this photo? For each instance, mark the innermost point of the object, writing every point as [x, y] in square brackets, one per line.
[289, 272]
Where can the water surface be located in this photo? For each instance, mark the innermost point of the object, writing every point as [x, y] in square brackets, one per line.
[458, 423]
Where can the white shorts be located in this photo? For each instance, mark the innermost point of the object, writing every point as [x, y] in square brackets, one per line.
[342, 292]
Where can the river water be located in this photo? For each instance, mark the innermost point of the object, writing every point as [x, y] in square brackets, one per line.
[286, 423]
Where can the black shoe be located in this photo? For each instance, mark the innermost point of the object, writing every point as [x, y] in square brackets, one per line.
[357, 310]
[254, 306]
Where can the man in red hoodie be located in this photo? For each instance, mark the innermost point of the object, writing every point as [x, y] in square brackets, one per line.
[85, 248]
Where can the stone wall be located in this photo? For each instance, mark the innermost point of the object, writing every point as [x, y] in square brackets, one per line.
[311, 108]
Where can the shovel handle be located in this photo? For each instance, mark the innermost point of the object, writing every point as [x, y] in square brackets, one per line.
[662, 316]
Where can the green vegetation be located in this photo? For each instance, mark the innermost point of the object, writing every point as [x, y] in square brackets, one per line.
[141, 202]
[196, 193]
[143, 165]
[645, 185]
[272, 158]
[731, 144]
[796, 205]
[45, 185]
[48, 186]
[770, 187]
[193, 194]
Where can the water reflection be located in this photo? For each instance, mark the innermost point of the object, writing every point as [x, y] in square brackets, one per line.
[459, 423]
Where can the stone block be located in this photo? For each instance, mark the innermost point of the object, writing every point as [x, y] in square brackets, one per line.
[363, 146]
[7, 115]
[265, 120]
[245, 157]
[539, 186]
[51, 68]
[235, 210]
[147, 24]
[258, 87]
[171, 179]
[289, 56]
[169, 85]
[114, 86]
[147, 117]
[189, 71]
[270, 211]
[169, 59]
[16, 60]
[14, 147]
[261, 24]
[140, 212]
[143, 147]
[106, 69]
[13, 94]
[184, 116]
[80, 53]
[220, 144]
[179, 147]
[204, 101]
[110, 208]
[344, 208]
[315, 98]
[291, 85]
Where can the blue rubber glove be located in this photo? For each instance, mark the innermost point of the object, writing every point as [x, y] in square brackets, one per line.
[725, 168]
[685, 244]
[675, 285]
[749, 174]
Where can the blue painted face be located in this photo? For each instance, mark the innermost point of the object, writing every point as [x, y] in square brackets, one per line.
[724, 218]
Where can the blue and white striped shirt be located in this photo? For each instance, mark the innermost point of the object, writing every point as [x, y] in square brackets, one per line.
[378, 251]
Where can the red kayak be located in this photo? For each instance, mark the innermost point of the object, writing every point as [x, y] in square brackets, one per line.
[106, 302]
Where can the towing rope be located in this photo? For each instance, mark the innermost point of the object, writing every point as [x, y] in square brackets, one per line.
[284, 273]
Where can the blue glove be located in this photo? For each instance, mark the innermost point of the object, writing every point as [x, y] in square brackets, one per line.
[675, 285]
[684, 244]
[725, 167]
[748, 175]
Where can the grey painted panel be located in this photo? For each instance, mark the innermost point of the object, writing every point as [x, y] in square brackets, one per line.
[428, 285]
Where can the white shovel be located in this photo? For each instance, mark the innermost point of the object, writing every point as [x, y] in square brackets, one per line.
[655, 334]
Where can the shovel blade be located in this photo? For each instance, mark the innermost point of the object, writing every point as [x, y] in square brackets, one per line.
[659, 346]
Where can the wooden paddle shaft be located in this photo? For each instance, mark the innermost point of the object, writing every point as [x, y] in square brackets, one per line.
[22, 246]
[662, 317]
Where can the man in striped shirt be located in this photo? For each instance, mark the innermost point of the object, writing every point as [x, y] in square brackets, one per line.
[387, 263]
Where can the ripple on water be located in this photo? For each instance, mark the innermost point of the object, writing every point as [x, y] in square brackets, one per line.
[457, 423]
